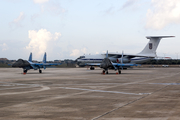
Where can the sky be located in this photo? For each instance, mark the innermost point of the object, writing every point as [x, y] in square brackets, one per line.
[67, 29]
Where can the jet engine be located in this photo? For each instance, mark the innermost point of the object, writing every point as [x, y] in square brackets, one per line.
[124, 60]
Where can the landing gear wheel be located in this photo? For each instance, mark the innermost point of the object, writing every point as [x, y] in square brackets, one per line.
[119, 71]
[106, 72]
[91, 68]
[40, 71]
[25, 71]
[103, 72]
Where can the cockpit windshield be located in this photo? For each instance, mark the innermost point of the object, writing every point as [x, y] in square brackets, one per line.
[81, 57]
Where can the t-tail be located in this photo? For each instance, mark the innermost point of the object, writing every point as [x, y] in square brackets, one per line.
[30, 57]
[150, 48]
[44, 58]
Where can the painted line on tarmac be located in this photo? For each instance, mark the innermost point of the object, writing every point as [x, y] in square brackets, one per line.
[108, 112]
[43, 88]
[103, 91]
[18, 88]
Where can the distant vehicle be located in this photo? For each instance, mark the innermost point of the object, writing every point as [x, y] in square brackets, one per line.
[27, 65]
[148, 53]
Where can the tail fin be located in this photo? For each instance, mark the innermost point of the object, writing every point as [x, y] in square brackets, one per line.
[122, 57]
[30, 57]
[152, 45]
[107, 54]
[44, 58]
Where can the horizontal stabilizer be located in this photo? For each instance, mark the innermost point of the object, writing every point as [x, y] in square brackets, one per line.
[149, 37]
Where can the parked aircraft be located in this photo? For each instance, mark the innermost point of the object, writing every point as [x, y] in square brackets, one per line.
[28, 64]
[148, 53]
[108, 64]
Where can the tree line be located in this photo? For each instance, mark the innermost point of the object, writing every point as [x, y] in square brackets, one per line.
[163, 61]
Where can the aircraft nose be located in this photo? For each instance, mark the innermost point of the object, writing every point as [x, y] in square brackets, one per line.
[14, 65]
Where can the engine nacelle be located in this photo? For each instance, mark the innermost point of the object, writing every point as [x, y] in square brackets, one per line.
[124, 60]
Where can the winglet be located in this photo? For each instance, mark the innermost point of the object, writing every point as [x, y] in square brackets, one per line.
[44, 59]
[30, 57]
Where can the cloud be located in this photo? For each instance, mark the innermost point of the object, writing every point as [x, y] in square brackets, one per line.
[34, 16]
[4, 47]
[51, 6]
[97, 52]
[40, 1]
[18, 20]
[163, 13]
[110, 11]
[41, 40]
[77, 53]
[55, 7]
[129, 3]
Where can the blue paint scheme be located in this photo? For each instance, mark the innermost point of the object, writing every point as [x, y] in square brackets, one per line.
[36, 66]
[27, 65]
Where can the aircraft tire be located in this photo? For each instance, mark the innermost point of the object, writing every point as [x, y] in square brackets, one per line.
[119, 71]
[106, 72]
[40, 71]
[25, 71]
[91, 68]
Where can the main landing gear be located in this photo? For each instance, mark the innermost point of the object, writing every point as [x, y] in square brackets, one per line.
[40, 71]
[105, 72]
[119, 71]
[91, 68]
[24, 71]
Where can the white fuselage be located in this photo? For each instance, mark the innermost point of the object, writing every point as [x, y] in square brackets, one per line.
[98, 59]
[148, 53]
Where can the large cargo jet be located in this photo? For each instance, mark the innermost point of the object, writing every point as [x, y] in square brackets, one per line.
[148, 53]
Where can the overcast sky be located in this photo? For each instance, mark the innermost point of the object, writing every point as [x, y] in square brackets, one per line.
[66, 29]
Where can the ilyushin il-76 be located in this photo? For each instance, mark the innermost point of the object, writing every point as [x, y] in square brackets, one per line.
[118, 61]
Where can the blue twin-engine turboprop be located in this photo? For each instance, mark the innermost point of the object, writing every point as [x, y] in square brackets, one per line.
[28, 64]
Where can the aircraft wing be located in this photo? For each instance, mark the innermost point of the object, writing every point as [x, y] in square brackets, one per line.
[42, 65]
[46, 64]
[118, 55]
[124, 65]
[114, 64]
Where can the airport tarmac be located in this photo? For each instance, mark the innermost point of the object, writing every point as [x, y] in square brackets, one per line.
[81, 94]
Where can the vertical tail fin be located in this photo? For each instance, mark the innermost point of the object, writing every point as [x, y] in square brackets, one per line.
[107, 54]
[122, 57]
[44, 58]
[152, 45]
[30, 57]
